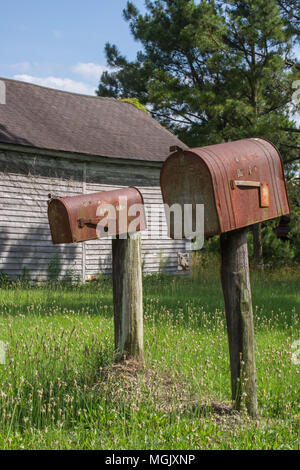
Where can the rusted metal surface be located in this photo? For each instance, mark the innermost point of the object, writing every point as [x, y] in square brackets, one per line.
[240, 183]
[264, 200]
[76, 218]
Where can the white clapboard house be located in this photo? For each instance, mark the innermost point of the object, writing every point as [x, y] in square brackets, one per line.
[60, 143]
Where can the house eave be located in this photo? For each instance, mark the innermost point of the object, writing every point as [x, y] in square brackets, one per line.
[80, 157]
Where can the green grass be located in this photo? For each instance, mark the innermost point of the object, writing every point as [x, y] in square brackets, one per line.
[60, 388]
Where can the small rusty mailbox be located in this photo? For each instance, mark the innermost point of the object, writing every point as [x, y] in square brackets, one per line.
[85, 217]
[240, 183]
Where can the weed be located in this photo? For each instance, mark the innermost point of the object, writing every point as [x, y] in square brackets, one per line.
[60, 389]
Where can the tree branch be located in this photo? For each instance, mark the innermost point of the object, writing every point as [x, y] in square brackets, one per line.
[289, 129]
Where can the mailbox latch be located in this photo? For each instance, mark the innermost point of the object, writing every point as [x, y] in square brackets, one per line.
[264, 200]
[91, 221]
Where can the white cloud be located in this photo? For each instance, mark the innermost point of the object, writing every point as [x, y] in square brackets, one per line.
[57, 34]
[89, 70]
[82, 77]
[21, 67]
[65, 84]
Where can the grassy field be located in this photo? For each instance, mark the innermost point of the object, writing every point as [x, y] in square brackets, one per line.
[60, 389]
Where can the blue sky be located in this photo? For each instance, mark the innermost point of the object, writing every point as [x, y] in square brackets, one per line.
[60, 43]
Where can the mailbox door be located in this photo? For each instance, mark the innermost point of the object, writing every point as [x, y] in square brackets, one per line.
[248, 182]
[258, 189]
[185, 179]
[59, 220]
[240, 183]
[76, 218]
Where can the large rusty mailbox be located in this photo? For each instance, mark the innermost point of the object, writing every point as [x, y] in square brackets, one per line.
[85, 217]
[240, 183]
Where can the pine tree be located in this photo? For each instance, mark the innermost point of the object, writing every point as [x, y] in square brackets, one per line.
[211, 71]
[214, 71]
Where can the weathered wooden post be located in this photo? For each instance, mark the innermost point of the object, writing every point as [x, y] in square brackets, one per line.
[120, 214]
[128, 297]
[240, 184]
[239, 317]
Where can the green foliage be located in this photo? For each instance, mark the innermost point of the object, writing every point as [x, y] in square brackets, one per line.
[5, 280]
[162, 260]
[212, 71]
[293, 188]
[60, 389]
[100, 277]
[54, 267]
[275, 250]
[70, 277]
[290, 11]
[135, 102]
[205, 263]
[216, 71]
[144, 257]
[54, 272]
[24, 278]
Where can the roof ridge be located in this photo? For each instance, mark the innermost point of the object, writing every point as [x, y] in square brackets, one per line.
[56, 89]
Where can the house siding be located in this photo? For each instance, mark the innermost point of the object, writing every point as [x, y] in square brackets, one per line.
[26, 179]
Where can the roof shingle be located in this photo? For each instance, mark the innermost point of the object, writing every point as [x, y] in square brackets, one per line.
[57, 120]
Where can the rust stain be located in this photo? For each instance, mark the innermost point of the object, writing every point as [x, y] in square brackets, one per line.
[74, 219]
[208, 175]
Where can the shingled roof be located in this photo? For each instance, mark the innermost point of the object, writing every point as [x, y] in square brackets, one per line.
[44, 118]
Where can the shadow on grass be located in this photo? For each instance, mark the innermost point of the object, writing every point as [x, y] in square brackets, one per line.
[93, 299]
[271, 292]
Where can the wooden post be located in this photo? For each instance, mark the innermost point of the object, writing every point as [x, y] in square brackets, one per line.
[128, 297]
[239, 317]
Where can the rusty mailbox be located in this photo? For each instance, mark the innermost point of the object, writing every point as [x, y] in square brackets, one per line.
[86, 217]
[240, 183]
